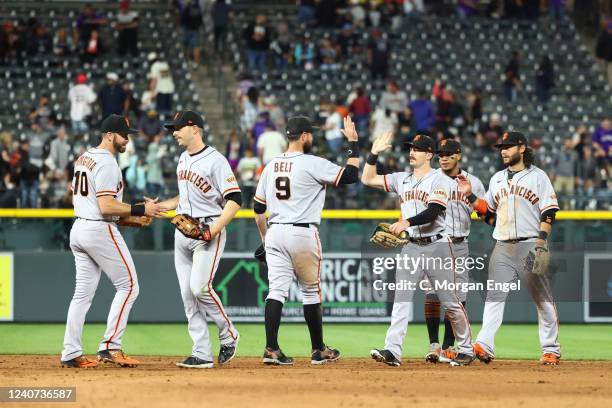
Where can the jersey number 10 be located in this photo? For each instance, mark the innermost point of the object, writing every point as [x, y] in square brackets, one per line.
[283, 188]
[80, 183]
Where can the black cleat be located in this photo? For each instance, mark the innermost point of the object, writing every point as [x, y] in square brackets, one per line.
[324, 356]
[462, 360]
[385, 356]
[227, 352]
[194, 362]
[276, 357]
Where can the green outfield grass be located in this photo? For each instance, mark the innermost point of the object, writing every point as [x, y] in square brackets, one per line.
[578, 342]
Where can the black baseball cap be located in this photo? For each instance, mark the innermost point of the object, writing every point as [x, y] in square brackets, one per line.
[422, 142]
[298, 125]
[510, 139]
[117, 124]
[449, 146]
[185, 118]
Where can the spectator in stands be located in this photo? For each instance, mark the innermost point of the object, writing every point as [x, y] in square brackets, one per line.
[147, 100]
[602, 142]
[245, 82]
[57, 162]
[404, 125]
[257, 38]
[39, 41]
[374, 14]
[81, 98]
[328, 56]
[88, 22]
[357, 13]
[93, 49]
[383, 120]
[262, 122]
[332, 129]
[466, 8]
[306, 11]
[564, 171]
[277, 116]
[304, 53]
[136, 178]
[587, 176]
[512, 82]
[557, 9]
[127, 26]
[603, 48]
[422, 112]
[191, 19]
[379, 52]
[414, 9]
[250, 109]
[444, 104]
[281, 47]
[163, 84]
[234, 150]
[41, 114]
[474, 99]
[112, 97]
[221, 16]
[133, 104]
[580, 139]
[155, 177]
[545, 80]
[492, 131]
[347, 41]
[62, 43]
[8, 193]
[27, 176]
[37, 138]
[360, 109]
[150, 126]
[248, 168]
[393, 99]
[5, 43]
[271, 143]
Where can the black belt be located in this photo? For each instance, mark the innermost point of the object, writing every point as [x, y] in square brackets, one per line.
[89, 219]
[206, 219]
[458, 240]
[514, 241]
[302, 224]
[425, 241]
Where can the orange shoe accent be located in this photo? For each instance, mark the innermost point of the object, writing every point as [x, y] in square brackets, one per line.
[120, 358]
[80, 362]
[449, 353]
[481, 354]
[550, 359]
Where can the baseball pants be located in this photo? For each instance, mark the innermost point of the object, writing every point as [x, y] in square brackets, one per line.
[96, 246]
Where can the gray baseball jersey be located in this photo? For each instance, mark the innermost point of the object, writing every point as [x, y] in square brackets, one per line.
[519, 203]
[415, 195]
[204, 179]
[459, 210]
[292, 186]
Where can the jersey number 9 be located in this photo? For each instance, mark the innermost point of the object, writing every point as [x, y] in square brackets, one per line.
[80, 183]
[283, 188]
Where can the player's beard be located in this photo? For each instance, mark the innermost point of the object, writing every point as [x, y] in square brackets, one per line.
[307, 147]
[514, 159]
[120, 148]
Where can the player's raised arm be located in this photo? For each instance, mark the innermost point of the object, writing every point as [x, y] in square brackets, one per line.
[350, 174]
[479, 204]
[370, 177]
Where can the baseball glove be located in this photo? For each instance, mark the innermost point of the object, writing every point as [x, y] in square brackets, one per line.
[260, 254]
[383, 237]
[191, 228]
[135, 221]
[538, 260]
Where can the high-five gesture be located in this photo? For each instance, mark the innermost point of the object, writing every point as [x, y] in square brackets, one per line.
[349, 130]
[464, 185]
[382, 143]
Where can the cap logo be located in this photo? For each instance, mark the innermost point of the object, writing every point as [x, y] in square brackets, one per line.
[127, 121]
[189, 122]
[417, 138]
[443, 143]
[506, 136]
[176, 115]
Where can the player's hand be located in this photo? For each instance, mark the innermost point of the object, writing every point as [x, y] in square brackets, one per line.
[154, 200]
[214, 230]
[155, 209]
[382, 143]
[464, 185]
[398, 227]
[349, 130]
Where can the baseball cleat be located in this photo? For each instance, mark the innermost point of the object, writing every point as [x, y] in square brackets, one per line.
[462, 360]
[194, 362]
[385, 356]
[276, 357]
[550, 359]
[324, 356]
[227, 352]
[79, 362]
[481, 354]
[447, 355]
[117, 357]
[433, 355]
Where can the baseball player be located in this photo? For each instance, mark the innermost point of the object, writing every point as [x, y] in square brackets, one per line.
[424, 195]
[209, 192]
[458, 222]
[97, 245]
[292, 188]
[521, 202]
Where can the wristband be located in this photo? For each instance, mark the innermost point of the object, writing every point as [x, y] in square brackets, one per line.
[353, 150]
[472, 198]
[372, 159]
[138, 210]
[543, 235]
